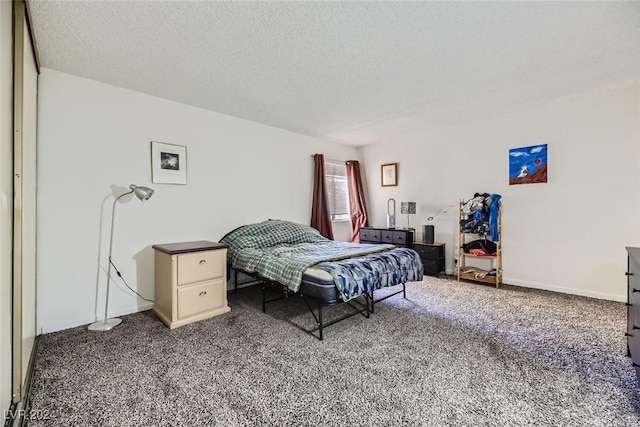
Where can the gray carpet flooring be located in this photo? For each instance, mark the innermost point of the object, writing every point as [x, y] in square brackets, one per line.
[451, 354]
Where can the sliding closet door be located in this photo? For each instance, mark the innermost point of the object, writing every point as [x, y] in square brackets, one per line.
[6, 197]
[24, 203]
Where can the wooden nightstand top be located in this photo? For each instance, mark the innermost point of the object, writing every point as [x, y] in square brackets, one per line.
[185, 247]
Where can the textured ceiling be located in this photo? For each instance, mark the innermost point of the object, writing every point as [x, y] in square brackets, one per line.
[350, 72]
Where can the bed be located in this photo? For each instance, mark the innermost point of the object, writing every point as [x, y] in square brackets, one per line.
[298, 260]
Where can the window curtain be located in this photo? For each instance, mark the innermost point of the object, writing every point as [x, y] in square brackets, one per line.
[320, 217]
[357, 204]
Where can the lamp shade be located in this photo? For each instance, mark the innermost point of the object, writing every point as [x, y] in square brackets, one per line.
[142, 193]
[408, 207]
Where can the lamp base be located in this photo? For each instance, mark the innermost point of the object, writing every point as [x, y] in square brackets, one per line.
[101, 325]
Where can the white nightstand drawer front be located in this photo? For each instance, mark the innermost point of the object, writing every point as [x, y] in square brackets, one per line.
[200, 298]
[200, 266]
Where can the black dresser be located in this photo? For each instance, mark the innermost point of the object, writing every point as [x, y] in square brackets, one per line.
[398, 237]
[432, 257]
[633, 308]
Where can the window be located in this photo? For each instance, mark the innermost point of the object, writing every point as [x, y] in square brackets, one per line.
[337, 191]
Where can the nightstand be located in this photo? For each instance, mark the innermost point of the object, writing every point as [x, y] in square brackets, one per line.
[190, 282]
[432, 257]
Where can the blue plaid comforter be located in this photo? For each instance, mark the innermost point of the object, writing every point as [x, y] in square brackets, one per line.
[281, 251]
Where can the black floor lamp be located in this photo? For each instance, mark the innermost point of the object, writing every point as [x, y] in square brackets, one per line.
[142, 193]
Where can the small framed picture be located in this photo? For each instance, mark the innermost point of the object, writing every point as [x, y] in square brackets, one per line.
[168, 163]
[389, 174]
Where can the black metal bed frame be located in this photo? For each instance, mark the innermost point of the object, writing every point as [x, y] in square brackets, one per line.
[375, 301]
[252, 281]
[358, 307]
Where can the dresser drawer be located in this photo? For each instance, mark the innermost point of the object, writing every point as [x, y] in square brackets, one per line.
[200, 266]
[369, 235]
[200, 298]
[633, 335]
[395, 237]
[633, 278]
[402, 238]
[634, 294]
[386, 236]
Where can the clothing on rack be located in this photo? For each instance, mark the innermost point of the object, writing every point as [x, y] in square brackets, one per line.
[482, 215]
[477, 203]
[485, 245]
[494, 209]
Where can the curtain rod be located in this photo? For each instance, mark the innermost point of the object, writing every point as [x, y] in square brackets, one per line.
[334, 160]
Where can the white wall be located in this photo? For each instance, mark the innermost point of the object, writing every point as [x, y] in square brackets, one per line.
[94, 140]
[568, 235]
[6, 198]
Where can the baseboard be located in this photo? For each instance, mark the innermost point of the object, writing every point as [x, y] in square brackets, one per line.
[117, 312]
[15, 416]
[562, 289]
[565, 290]
[142, 307]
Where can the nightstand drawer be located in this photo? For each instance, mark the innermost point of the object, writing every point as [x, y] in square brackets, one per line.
[200, 266]
[432, 267]
[200, 298]
[428, 252]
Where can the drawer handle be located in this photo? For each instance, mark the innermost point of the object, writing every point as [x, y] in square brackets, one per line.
[626, 273]
[635, 327]
[202, 293]
[635, 290]
[203, 261]
[627, 304]
[627, 334]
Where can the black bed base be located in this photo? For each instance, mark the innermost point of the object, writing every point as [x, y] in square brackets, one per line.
[375, 301]
[252, 281]
[358, 307]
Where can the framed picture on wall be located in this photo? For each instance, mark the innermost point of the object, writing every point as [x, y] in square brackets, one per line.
[528, 165]
[389, 174]
[168, 163]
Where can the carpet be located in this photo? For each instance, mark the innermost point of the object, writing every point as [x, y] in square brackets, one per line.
[451, 354]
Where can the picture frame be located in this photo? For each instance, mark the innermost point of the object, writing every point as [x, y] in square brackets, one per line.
[528, 165]
[168, 163]
[389, 174]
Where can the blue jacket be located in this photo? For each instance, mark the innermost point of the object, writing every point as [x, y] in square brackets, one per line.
[494, 209]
